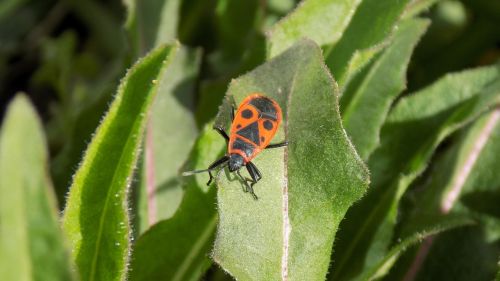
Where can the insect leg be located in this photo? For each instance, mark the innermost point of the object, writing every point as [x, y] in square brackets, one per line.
[222, 133]
[232, 113]
[254, 172]
[256, 176]
[215, 164]
[276, 145]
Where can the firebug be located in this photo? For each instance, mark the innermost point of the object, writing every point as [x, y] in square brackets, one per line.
[253, 127]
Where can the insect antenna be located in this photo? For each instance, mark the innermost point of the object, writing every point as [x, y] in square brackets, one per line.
[190, 173]
[223, 162]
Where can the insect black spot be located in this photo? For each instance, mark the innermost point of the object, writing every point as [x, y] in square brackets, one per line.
[247, 114]
[262, 139]
[268, 125]
[238, 126]
[245, 146]
[250, 132]
[264, 105]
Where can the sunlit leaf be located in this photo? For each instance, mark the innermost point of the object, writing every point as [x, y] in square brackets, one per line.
[96, 215]
[306, 187]
[367, 33]
[412, 131]
[364, 108]
[323, 21]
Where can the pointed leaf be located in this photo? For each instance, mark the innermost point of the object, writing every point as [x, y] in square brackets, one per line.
[414, 128]
[464, 180]
[31, 243]
[364, 110]
[323, 21]
[465, 170]
[96, 216]
[306, 187]
[368, 31]
[170, 134]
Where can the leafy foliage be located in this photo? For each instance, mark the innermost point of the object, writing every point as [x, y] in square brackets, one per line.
[283, 219]
[28, 209]
[391, 110]
[96, 218]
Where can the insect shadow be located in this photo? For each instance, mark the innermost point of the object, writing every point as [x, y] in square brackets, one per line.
[232, 177]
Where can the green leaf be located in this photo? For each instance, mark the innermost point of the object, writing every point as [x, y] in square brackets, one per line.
[460, 255]
[157, 23]
[433, 113]
[96, 216]
[416, 125]
[211, 93]
[365, 108]
[177, 248]
[323, 21]
[63, 165]
[31, 244]
[386, 263]
[464, 181]
[237, 22]
[418, 6]
[369, 30]
[463, 178]
[170, 135]
[306, 187]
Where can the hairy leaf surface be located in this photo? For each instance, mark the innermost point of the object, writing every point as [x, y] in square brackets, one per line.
[96, 215]
[306, 187]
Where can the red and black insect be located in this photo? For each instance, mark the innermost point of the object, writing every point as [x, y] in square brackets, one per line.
[253, 126]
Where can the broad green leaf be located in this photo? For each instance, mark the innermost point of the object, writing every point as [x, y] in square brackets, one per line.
[367, 33]
[169, 136]
[96, 216]
[323, 21]
[306, 187]
[464, 180]
[177, 248]
[416, 125]
[31, 243]
[365, 111]
[433, 113]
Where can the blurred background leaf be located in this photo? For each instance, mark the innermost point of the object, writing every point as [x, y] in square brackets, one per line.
[409, 137]
[31, 242]
[176, 248]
